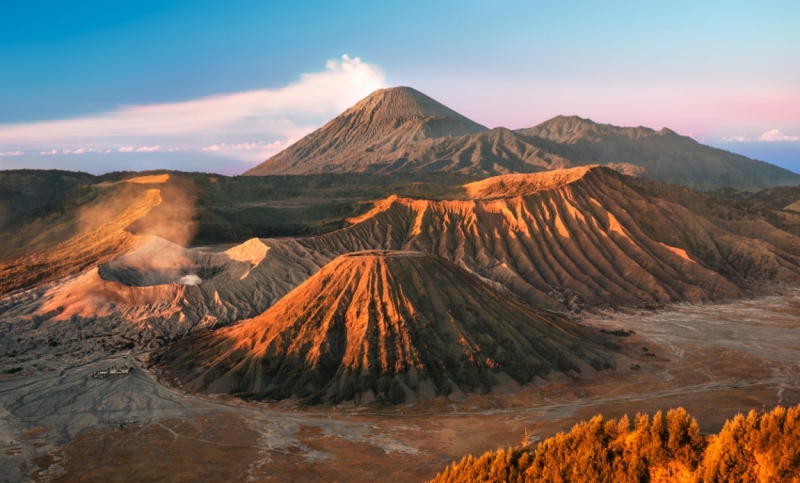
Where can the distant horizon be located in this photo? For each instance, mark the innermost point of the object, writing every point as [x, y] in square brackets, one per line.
[99, 86]
[785, 154]
[782, 154]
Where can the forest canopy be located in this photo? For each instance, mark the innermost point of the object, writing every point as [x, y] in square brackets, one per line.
[756, 448]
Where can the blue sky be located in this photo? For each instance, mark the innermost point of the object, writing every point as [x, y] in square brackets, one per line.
[727, 73]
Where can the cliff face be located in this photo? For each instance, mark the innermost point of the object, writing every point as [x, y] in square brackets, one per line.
[388, 326]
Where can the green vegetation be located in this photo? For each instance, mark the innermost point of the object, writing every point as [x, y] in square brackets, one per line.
[226, 209]
[233, 209]
[24, 190]
[43, 227]
[757, 448]
[776, 198]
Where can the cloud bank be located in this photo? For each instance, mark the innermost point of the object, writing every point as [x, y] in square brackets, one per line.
[776, 135]
[246, 125]
[735, 139]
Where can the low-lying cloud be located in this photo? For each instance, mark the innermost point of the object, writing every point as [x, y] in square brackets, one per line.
[774, 135]
[735, 139]
[244, 125]
[777, 135]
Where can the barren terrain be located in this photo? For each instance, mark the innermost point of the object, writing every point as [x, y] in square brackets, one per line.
[675, 278]
[715, 360]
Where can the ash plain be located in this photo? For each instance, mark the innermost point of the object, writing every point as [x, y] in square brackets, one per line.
[715, 360]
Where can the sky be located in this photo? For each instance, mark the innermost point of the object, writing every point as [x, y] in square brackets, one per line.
[220, 86]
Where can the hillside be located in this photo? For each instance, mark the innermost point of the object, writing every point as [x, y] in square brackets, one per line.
[664, 155]
[154, 293]
[24, 190]
[385, 326]
[89, 229]
[570, 240]
[400, 130]
[781, 198]
[584, 237]
[63, 222]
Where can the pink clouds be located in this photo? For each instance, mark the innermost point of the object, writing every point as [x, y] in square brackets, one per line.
[283, 113]
[776, 135]
[245, 146]
[250, 151]
[773, 135]
[735, 139]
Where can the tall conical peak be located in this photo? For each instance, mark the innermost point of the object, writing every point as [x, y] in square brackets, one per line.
[388, 325]
[396, 105]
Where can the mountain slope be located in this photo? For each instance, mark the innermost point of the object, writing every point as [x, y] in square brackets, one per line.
[385, 326]
[70, 239]
[384, 122]
[665, 155]
[401, 130]
[23, 190]
[583, 237]
[155, 293]
[563, 240]
[492, 152]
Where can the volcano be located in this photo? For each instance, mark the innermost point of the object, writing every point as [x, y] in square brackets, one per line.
[401, 130]
[385, 326]
[364, 136]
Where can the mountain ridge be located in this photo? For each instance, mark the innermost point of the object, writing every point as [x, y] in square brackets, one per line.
[582, 239]
[400, 130]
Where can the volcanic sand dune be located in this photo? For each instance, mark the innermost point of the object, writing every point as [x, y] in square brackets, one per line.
[580, 237]
[385, 326]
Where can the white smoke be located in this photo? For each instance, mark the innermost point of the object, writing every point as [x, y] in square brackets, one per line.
[190, 279]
